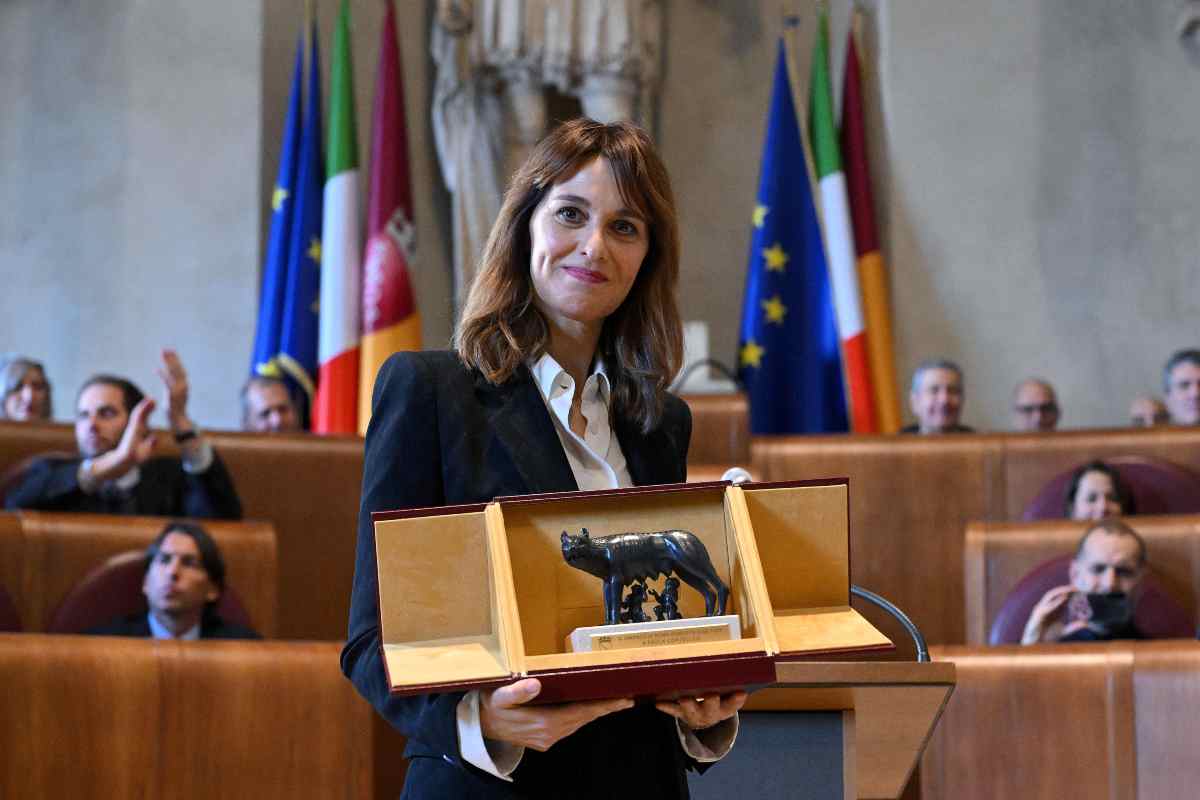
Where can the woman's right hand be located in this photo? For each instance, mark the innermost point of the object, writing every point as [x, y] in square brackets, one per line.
[505, 716]
[1039, 618]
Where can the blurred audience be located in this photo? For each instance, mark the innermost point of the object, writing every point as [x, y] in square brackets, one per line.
[268, 406]
[1181, 382]
[936, 398]
[26, 390]
[115, 472]
[1098, 603]
[185, 576]
[1096, 491]
[1147, 411]
[1035, 406]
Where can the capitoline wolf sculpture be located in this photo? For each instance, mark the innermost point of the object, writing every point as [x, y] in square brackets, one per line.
[623, 558]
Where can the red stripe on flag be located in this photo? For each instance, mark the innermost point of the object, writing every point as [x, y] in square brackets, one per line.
[858, 373]
[854, 156]
[335, 409]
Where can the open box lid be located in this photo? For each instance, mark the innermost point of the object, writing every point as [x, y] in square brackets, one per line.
[475, 596]
[801, 532]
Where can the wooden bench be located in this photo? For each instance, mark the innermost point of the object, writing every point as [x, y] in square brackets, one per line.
[1110, 720]
[101, 717]
[43, 555]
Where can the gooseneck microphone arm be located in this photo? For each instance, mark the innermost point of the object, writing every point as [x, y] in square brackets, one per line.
[909, 625]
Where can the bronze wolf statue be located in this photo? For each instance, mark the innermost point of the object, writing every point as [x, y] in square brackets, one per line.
[623, 558]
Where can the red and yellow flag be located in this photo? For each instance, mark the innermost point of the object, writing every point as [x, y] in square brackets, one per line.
[872, 272]
[390, 321]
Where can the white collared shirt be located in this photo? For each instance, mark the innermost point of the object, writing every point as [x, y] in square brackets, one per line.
[596, 459]
[160, 631]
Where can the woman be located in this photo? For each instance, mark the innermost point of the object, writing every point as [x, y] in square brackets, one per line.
[26, 390]
[1096, 491]
[567, 342]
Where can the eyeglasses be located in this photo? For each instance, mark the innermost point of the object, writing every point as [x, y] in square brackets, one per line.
[1037, 408]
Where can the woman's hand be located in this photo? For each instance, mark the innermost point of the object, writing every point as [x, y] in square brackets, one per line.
[703, 711]
[505, 717]
[1039, 618]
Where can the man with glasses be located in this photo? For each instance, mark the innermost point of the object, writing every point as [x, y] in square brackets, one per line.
[1035, 406]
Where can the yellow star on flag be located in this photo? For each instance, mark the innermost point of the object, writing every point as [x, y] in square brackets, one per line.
[314, 251]
[775, 309]
[776, 257]
[280, 194]
[751, 355]
[760, 214]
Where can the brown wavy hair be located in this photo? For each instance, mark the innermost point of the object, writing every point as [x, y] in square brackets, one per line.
[642, 341]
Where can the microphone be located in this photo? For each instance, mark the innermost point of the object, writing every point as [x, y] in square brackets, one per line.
[737, 475]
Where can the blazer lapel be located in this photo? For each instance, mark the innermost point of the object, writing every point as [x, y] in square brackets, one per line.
[652, 458]
[518, 415]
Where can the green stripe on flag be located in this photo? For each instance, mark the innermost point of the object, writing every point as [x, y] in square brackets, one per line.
[343, 134]
[820, 106]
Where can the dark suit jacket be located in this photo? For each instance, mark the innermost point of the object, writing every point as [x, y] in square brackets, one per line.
[442, 435]
[164, 490]
[211, 627]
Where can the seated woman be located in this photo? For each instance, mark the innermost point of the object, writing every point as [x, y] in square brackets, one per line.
[1096, 491]
[567, 342]
[26, 390]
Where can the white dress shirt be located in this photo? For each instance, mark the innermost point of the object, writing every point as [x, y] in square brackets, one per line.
[597, 462]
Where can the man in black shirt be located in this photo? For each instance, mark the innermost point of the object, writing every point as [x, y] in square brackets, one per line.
[116, 472]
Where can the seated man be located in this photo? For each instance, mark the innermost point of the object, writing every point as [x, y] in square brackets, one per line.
[115, 473]
[185, 576]
[1181, 382]
[268, 406]
[1035, 406]
[1147, 411]
[1098, 604]
[936, 398]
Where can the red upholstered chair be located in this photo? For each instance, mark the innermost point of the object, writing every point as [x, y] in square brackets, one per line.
[10, 620]
[114, 589]
[1158, 487]
[1158, 615]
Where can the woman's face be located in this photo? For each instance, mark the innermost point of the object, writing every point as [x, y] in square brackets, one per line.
[30, 399]
[1096, 497]
[586, 247]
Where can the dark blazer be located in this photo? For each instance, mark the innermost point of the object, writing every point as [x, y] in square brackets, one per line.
[164, 490]
[137, 625]
[440, 434]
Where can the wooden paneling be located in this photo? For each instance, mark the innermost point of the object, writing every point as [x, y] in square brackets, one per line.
[1038, 723]
[720, 430]
[1166, 687]
[910, 498]
[104, 717]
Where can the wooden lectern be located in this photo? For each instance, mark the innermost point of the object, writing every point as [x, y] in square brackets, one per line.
[832, 731]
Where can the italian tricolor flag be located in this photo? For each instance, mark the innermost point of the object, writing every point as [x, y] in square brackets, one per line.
[839, 241]
[336, 405]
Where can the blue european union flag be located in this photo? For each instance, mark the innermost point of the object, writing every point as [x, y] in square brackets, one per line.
[789, 355]
[298, 338]
[271, 293]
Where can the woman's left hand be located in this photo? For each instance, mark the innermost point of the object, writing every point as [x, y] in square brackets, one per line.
[703, 711]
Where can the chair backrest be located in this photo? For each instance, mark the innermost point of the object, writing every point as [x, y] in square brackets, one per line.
[114, 590]
[1157, 614]
[1158, 487]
